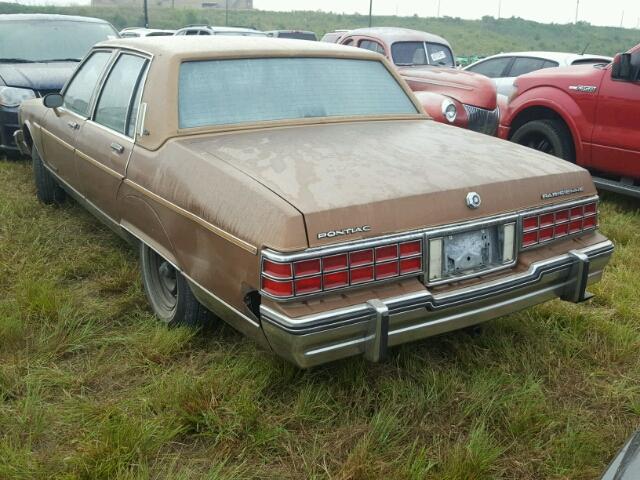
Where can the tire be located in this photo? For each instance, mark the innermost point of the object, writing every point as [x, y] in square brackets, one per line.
[47, 189]
[548, 136]
[168, 292]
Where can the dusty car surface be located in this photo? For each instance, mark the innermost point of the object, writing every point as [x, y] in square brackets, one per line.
[322, 219]
[427, 63]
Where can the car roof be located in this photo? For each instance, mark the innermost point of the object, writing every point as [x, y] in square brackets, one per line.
[560, 57]
[395, 34]
[48, 17]
[187, 47]
[222, 29]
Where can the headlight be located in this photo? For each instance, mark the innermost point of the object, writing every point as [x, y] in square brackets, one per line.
[449, 110]
[13, 97]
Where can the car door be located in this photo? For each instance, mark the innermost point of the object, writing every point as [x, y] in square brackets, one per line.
[62, 126]
[615, 140]
[103, 150]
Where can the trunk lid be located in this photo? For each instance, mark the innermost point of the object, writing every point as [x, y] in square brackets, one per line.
[391, 176]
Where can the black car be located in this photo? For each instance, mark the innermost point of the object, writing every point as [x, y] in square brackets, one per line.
[38, 54]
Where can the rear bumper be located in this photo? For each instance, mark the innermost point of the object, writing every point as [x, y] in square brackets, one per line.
[369, 328]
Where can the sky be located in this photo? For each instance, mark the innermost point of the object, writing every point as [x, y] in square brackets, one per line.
[597, 12]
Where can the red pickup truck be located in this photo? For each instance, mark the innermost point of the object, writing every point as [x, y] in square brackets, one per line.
[587, 114]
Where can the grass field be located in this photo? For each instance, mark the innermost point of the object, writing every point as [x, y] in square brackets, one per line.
[92, 387]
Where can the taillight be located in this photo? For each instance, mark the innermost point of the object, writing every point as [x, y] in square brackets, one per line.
[330, 272]
[547, 226]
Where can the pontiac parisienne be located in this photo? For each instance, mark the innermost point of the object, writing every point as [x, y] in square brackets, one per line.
[320, 218]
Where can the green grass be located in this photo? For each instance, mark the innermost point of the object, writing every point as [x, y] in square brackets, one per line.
[92, 387]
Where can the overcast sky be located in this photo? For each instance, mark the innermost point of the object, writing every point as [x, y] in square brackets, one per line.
[597, 12]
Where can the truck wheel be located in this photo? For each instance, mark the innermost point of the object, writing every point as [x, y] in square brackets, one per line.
[548, 136]
[169, 293]
[47, 189]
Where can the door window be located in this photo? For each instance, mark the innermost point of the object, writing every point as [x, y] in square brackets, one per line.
[493, 68]
[524, 65]
[371, 45]
[117, 108]
[77, 96]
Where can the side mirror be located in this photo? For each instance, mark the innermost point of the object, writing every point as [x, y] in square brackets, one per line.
[52, 100]
[621, 69]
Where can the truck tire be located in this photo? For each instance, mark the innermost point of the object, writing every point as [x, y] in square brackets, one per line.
[47, 189]
[548, 136]
[168, 292]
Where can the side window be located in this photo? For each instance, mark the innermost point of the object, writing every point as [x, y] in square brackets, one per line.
[116, 105]
[348, 42]
[204, 32]
[524, 65]
[77, 96]
[550, 64]
[181, 32]
[192, 32]
[371, 45]
[493, 68]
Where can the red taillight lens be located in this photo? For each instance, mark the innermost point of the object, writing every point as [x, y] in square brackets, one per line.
[307, 267]
[308, 285]
[331, 272]
[276, 270]
[336, 280]
[361, 257]
[389, 252]
[410, 265]
[530, 223]
[277, 288]
[409, 249]
[335, 262]
[550, 225]
[361, 275]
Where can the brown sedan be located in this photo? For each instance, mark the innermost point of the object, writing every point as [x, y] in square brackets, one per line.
[264, 184]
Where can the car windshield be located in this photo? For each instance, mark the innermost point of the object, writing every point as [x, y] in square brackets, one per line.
[224, 92]
[421, 53]
[55, 40]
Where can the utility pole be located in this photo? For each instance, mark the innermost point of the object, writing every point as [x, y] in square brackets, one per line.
[226, 12]
[622, 19]
[438, 8]
[146, 13]
[499, 8]
[370, 12]
[577, 10]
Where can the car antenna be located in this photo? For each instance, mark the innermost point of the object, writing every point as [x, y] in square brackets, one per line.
[585, 48]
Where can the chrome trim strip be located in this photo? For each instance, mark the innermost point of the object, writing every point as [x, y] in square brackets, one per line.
[212, 228]
[99, 165]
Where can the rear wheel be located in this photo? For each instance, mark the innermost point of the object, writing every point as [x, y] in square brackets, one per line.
[168, 292]
[548, 136]
[47, 189]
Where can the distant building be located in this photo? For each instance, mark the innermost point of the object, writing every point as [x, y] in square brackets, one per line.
[233, 4]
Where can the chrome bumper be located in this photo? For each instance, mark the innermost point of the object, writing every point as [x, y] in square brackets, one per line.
[18, 138]
[369, 328]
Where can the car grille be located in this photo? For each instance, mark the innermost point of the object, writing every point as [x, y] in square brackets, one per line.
[481, 120]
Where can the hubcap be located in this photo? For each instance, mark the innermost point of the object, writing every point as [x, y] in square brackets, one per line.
[539, 142]
[163, 281]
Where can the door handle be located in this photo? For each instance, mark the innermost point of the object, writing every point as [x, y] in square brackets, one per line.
[73, 125]
[116, 147]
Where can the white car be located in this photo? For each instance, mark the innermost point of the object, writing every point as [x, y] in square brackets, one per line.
[505, 67]
[210, 30]
[132, 32]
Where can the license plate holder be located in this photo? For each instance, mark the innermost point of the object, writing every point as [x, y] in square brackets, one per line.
[471, 251]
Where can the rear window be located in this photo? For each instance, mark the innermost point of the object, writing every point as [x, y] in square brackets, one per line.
[224, 92]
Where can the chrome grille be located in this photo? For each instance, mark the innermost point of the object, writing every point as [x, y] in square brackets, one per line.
[481, 120]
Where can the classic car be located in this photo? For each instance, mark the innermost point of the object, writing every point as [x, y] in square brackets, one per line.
[38, 54]
[504, 68]
[585, 114]
[427, 63]
[134, 32]
[322, 219]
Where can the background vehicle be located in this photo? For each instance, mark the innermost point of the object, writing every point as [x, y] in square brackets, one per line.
[209, 30]
[587, 114]
[131, 32]
[38, 53]
[505, 67]
[295, 34]
[333, 37]
[427, 63]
